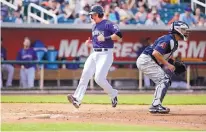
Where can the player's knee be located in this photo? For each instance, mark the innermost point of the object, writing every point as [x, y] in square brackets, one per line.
[167, 81]
[98, 79]
[11, 69]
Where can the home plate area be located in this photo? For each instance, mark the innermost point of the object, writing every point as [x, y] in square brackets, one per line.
[188, 116]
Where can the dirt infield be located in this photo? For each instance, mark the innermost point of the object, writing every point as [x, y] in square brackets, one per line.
[190, 117]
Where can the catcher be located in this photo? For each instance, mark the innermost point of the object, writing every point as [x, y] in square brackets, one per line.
[154, 62]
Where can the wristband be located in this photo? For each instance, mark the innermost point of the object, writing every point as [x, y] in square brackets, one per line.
[108, 38]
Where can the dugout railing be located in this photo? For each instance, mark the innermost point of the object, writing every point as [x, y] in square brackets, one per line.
[120, 74]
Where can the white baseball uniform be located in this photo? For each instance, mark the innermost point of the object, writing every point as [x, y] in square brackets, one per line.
[99, 62]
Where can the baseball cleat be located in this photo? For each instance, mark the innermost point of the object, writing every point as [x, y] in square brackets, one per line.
[159, 109]
[114, 102]
[73, 100]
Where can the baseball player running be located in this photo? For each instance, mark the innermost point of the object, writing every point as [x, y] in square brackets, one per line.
[153, 62]
[27, 72]
[99, 62]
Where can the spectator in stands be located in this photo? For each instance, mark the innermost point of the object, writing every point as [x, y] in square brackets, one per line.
[188, 17]
[124, 11]
[201, 22]
[141, 15]
[52, 5]
[18, 17]
[124, 21]
[175, 18]
[68, 14]
[153, 20]
[4, 11]
[133, 5]
[198, 14]
[55, 6]
[86, 8]
[82, 18]
[154, 3]
[27, 72]
[113, 15]
[69, 11]
[6, 67]
[153, 10]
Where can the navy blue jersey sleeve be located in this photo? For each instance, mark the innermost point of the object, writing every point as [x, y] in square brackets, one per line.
[162, 47]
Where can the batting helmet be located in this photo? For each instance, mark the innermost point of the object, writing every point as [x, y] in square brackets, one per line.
[180, 28]
[97, 9]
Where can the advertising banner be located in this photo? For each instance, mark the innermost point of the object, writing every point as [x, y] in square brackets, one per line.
[70, 42]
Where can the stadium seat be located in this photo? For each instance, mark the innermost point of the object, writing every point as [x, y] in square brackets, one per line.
[166, 21]
[132, 21]
[69, 21]
[51, 57]
[169, 6]
[72, 66]
[141, 22]
[64, 20]
[9, 19]
[40, 54]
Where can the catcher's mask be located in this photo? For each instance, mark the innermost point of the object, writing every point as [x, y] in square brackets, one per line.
[180, 28]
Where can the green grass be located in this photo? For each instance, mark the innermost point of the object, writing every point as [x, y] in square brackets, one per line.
[79, 127]
[186, 99]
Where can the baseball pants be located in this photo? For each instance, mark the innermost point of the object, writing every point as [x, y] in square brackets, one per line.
[27, 76]
[151, 69]
[10, 70]
[98, 63]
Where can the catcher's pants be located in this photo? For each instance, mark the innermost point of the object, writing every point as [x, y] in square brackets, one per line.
[98, 63]
[151, 69]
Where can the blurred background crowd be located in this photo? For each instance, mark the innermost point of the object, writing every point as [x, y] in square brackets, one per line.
[123, 12]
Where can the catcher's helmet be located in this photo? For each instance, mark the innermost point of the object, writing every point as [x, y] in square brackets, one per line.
[97, 9]
[180, 28]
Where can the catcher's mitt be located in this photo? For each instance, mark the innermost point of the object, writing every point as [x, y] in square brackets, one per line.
[179, 67]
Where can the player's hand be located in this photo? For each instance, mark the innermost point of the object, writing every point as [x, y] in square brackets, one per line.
[101, 38]
[22, 67]
[88, 41]
[171, 67]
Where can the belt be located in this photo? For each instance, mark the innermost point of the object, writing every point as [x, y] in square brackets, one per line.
[100, 49]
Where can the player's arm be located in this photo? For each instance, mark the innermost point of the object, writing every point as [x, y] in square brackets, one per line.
[159, 57]
[116, 34]
[158, 53]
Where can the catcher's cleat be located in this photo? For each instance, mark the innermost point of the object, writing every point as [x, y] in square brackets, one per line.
[159, 109]
[114, 102]
[73, 100]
